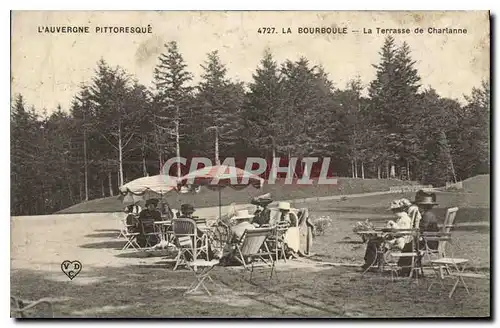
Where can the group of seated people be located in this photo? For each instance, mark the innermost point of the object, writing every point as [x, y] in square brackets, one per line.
[142, 220]
[408, 215]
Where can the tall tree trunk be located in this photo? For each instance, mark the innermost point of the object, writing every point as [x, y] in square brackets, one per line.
[177, 144]
[362, 170]
[352, 168]
[110, 183]
[217, 161]
[387, 169]
[379, 172]
[408, 176]
[355, 168]
[85, 165]
[273, 167]
[120, 154]
[80, 188]
[70, 191]
[102, 189]
[143, 153]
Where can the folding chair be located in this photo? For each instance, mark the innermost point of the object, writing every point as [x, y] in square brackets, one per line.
[276, 241]
[442, 238]
[252, 245]
[21, 307]
[454, 267]
[201, 275]
[188, 241]
[131, 237]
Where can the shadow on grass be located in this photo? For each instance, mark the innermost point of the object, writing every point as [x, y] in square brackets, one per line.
[356, 242]
[108, 230]
[144, 254]
[103, 235]
[115, 244]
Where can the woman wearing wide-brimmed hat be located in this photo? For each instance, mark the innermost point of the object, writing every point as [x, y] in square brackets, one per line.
[403, 221]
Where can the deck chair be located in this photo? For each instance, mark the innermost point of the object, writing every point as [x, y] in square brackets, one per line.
[129, 235]
[276, 241]
[188, 241]
[20, 308]
[252, 245]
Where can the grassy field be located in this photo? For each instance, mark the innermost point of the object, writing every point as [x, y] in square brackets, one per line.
[115, 283]
[207, 197]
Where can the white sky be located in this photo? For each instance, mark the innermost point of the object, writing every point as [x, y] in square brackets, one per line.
[48, 68]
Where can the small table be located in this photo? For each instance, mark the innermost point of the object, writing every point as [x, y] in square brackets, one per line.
[457, 265]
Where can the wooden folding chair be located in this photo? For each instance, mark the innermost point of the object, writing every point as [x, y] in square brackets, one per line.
[276, 241]
[443, 238]
[201, 275]
[252, 245]
[451, 265]
[129, 235]
[454, 267]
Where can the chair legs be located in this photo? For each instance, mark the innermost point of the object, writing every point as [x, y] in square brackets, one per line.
[200, 280]
[131, 242]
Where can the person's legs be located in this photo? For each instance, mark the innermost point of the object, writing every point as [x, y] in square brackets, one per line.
[405, 262]
[371, 252]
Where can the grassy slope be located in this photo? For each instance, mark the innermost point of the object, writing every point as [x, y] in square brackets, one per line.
[279, 191]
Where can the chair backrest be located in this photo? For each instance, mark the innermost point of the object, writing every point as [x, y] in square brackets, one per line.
[253, 239]
[124, 227]
[449, 219]
[147, 225]
[451, 213]
[185, 232]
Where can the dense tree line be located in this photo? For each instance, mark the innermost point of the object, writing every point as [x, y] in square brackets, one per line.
[117, 130]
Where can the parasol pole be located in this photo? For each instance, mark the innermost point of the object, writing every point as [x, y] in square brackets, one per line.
[220, 202]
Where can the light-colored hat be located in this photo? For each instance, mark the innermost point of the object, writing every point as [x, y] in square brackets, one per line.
[242, 214]
[396, 204]
[405, 202]
[284, 206]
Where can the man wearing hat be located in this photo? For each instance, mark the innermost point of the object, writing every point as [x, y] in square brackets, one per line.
[187, 211]
[425, 202]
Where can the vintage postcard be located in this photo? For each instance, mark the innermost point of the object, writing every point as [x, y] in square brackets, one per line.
[236, 164]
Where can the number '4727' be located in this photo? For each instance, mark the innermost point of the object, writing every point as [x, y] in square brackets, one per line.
[266, 30]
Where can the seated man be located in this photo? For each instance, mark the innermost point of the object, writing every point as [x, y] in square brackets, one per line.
[187, 211]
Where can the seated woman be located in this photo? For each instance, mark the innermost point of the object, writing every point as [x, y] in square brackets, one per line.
[147, 217]
[403, 221]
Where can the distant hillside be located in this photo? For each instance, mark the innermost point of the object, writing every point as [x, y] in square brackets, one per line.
[207, 197]
[479, 184]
